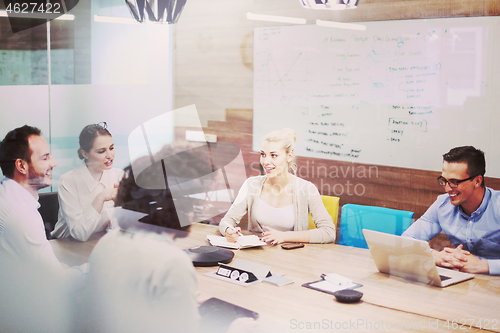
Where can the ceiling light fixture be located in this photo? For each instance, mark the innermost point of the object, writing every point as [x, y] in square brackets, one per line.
[161, 11]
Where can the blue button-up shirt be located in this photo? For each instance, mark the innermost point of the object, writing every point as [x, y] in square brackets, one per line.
[479, 233]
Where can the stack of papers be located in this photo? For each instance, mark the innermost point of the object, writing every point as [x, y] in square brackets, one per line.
[242, 243]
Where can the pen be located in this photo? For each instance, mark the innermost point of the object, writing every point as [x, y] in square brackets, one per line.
[324, 277]
[238, 232]
[260, 226]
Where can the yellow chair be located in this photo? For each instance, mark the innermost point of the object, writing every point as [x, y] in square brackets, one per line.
[332, 207]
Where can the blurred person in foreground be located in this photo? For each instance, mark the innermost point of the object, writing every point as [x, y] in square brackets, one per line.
[139, 280]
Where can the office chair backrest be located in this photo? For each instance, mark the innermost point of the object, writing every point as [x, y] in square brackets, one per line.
[354, 218]
[332, 206]
[49, 208]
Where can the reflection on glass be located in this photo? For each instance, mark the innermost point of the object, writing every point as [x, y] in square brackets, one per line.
[201, 178]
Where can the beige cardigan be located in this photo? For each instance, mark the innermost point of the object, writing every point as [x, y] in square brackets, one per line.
[306, 199]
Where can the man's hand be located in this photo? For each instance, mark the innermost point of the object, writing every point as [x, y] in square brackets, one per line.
[475, 265]
[460, 260]
[451, 258]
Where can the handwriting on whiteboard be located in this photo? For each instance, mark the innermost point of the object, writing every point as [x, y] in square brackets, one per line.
[390, 95]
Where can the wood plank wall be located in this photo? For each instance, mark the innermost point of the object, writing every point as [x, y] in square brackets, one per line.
[213, 69]
[374, 185]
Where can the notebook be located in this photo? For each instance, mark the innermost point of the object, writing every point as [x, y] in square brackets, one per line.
[243, 242]
[409, 258]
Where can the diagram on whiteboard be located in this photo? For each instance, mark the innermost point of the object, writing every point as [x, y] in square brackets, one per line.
[395, 94]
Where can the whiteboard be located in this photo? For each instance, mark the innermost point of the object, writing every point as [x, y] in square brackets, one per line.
[401, 93]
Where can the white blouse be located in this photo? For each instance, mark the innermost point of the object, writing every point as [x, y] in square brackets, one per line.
[281, 218]
[77, 190]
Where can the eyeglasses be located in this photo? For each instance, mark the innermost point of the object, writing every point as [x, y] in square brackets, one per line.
[102, 124]
[452, 182]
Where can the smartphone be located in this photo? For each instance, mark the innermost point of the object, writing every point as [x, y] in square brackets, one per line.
[289, 246]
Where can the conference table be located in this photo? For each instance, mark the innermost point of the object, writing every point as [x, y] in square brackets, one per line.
[389, 303]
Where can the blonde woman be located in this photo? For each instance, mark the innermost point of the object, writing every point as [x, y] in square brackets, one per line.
[278, 203]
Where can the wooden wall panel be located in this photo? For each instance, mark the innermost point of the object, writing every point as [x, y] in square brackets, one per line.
[213, 69]
[382, 186]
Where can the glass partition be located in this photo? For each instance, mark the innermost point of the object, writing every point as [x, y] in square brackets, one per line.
[95, 65]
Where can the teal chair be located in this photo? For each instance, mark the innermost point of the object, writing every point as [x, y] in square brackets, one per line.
[355, 218]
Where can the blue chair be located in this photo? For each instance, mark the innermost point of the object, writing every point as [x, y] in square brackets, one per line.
[354, 218]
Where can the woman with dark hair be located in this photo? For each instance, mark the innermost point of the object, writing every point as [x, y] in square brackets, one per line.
[86, 193]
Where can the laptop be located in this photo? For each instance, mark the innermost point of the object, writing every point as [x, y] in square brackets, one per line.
[409, 258]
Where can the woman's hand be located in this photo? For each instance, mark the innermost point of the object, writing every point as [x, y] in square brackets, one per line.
[106, 195]
[272, 236]
[109, 193]
[232, 234]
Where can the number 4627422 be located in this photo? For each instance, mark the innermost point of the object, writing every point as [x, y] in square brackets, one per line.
[33, 7]
[469, 323]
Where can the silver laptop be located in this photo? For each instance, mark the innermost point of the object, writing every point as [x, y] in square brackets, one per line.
[409, 258]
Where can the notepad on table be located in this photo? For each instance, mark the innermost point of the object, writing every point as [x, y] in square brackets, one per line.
[242, 242]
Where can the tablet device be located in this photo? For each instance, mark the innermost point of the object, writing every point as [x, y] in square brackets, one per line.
[217, 315]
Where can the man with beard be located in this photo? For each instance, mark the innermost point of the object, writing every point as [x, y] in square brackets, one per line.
[34, 287]
[469, 214]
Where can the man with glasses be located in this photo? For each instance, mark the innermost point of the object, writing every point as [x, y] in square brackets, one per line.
[469, 214]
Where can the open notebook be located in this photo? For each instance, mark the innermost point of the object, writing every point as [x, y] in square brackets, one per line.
[242, 243]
